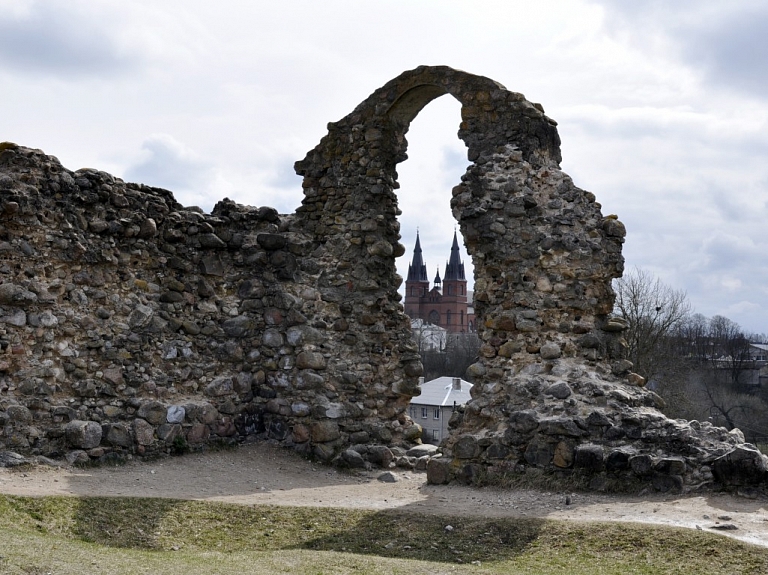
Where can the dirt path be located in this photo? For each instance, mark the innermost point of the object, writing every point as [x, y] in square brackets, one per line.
[262, 474]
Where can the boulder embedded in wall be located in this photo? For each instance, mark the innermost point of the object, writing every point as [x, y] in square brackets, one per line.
[323, 431]
[16, 318]
[550, 351]
[380, 455]
[466, 447]
[83, 434]
[741, 466]
[219, 387]
[143, 431]
[18, 415]
[153, 411]
[175, 414]
[439, 470]
[238, 327]
[560, 390]
[120, 435]
[353, 459]
[589, 457]
[310, 360]
[140, 316]
[15, 295]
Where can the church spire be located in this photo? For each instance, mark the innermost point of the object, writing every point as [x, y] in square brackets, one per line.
[417, 270]
[454, 269]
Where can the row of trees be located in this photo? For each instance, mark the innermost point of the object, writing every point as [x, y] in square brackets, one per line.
[442, 353]
[704, 368]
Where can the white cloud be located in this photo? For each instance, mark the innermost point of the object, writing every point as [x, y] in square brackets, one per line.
[167, 163]
[60, 39]
[662, 108]
[725, 42]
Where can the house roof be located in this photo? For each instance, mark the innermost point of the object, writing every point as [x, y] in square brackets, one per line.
[761, 346]
[440, 392]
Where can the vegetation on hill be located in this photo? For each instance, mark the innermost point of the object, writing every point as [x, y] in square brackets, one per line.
[123, 535]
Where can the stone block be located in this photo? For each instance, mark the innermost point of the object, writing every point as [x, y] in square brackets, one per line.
[153, 411]
[119, 434]
[523, 421]
[324, 431]
[550, 350]
[439, 471]
[641, 465]
[18, 415]
[466, 447]
[220, 386]
[83, 434]
[380, 455]
[589, 457]
[564, 455]
[743, 465]
[143, 431]
[353, 459]
[175, 414]
[310, 360]
[559, 390]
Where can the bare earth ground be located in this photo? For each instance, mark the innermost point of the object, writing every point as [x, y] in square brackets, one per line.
[263, 474]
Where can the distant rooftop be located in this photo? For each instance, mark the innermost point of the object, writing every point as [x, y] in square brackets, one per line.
[443, 392]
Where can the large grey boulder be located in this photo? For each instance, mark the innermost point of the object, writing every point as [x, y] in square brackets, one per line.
[743, 465]
[83, 434]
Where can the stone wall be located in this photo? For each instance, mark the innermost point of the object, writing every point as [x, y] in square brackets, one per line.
[129, 324]
[132, 324]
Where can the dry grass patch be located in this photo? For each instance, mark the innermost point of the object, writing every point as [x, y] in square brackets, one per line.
[171, 534]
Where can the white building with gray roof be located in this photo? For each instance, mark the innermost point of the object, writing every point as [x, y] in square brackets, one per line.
[433, 408]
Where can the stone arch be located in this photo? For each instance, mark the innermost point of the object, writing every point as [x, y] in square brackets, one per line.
[551, 387]
[513, 194]
[320, 355]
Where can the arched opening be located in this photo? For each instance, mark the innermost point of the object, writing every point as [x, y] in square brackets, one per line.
[436, 161]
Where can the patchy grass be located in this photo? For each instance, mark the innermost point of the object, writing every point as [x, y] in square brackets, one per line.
[124, 535]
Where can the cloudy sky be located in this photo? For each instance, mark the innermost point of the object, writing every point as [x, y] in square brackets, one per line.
[662, 108]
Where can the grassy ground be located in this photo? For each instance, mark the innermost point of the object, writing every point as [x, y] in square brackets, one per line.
[62, 535]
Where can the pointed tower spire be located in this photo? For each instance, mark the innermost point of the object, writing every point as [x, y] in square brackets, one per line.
[454, 269]
[437, 281]
[417, 270]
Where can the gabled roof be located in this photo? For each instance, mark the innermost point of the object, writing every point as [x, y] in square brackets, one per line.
[440, 392]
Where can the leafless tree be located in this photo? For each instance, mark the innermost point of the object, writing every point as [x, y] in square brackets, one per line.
[729, 349]
[654, 312]
[700, 366]
[731, 408]
[459, 353]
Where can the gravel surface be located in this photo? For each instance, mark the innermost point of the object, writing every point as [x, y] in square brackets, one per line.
[263, 474]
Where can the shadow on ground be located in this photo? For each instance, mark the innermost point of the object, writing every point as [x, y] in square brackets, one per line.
[433, 538]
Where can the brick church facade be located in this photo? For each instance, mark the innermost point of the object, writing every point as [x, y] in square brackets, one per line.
[447, 304]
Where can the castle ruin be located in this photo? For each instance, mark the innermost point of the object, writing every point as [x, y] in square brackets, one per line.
[132, 325]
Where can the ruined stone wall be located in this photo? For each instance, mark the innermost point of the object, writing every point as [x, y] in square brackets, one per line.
[129, 324]
[552, 389]
[132, 325]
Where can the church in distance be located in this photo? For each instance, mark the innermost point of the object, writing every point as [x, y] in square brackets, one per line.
[447, 304]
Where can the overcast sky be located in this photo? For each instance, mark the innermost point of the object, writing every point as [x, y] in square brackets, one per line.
[662, 108]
